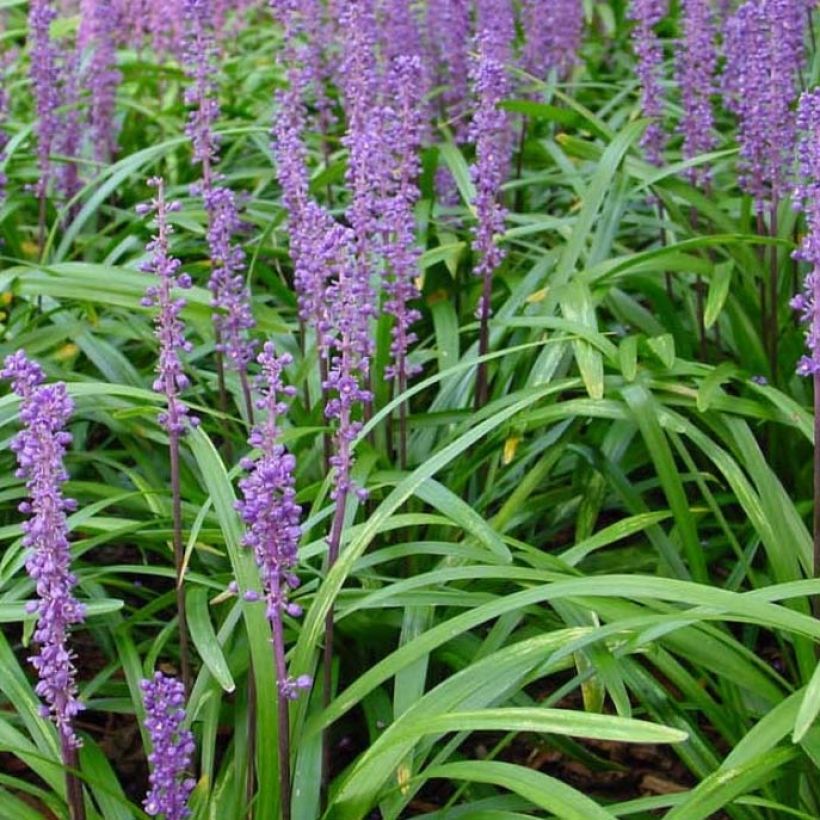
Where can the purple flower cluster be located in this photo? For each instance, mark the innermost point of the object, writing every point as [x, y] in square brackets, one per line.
[807, 198]
[495, 24]
[368, 164]
[649, 51]
[45, 80]
[764, 52]
[552, 36]
[403, 140]
[173, 748]
[448, 24]
[489, 130]
[40, 449]
[269, 508]
[170, 330]
[233, 318]
[70, 134]
[200, 51]
[349, 344]
[98, 31]
[696, 66]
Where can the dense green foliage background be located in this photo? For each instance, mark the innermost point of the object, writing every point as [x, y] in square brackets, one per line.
[615, 547]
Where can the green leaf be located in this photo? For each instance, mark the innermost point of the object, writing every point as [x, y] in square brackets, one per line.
[719, 284]
[204, 636]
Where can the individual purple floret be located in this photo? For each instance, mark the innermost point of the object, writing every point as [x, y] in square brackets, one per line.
[98, 31]
[200, 51]
[807, 198]
[269, 508]
[170, 330]
[696, 65]
[172, 745]
[45, 81]
[233, 318]
[40, 449]
[764, 53]
[403, 139]
[552, 34]
[649, 51]
[448, 29]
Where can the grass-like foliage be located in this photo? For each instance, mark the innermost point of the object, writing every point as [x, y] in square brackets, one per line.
[429, 406]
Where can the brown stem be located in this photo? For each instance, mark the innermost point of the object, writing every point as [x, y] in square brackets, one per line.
[283, 716]
[481, 382]
[247, 396]
[764, 322]
[327, 663]
[773, 287]
[179, 558]
[402, 420]
[73, 785]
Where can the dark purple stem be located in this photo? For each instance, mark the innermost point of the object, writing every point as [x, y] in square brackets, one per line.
[179, 557]
[327, 665]
[773, 287]
[481, 384]
[74, 789]
[283, 715]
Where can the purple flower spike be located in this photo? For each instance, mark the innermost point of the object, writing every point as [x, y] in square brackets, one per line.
[764, 53]
[98, 31]
[349, 362]
[200, 51]
[40, 448]
[696, 66]
[269, 508]
[173, 748]
[45, 80]
[553, 36]
[231, 298]
[490, 128]
[170, 330]
[807, 198]
[649, 51]
[401, 253]
[448, 24]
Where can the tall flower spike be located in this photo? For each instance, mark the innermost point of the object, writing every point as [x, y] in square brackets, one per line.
[696, 66]
[807, 198]
[172, 748]
[764, 54]
[171, 380]
[45, 80]
[489, 131]
[368, 166]
[649, 51]
[269, 507]
[448, 29]
[98, 29]
[201, 92]
[40, 448]
[401, 253]
[233, 318]
[552, 36]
